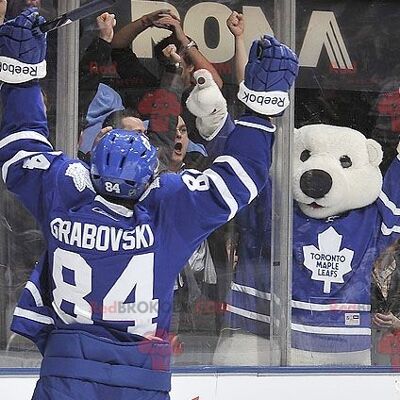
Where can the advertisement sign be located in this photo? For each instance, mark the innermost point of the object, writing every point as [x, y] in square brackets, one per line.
[340, 44]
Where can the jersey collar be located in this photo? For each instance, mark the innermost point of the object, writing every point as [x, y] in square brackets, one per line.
[118, 209]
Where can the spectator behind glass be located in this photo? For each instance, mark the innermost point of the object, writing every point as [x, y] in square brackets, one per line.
[105, 102]
[236, 25]
[125, 119]
[195, 287]
[386, 307]
[160, 19]
[96, 57]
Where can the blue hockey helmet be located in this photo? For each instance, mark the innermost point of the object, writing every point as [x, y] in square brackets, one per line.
[122, 164]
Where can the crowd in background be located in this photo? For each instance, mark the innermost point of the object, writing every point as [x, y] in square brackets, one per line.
[118, 90]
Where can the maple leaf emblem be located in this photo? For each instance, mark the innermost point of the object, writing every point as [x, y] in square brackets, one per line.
[80, 175]
[327, 262]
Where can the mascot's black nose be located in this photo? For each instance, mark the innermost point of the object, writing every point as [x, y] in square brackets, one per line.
[315, 183]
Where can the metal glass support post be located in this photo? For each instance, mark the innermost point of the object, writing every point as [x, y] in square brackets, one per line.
[282, 211]
[67, 82]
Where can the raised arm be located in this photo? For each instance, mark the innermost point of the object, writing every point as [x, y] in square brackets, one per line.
[125, 36]
[98, 53]
[211, 198]
[26, 156]
[188, 49]
[235, 23]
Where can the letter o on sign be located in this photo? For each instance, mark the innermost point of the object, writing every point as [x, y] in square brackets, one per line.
[194, 27]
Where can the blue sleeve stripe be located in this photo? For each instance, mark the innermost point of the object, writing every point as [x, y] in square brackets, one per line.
[23, 135]
[251, 291]
[34, 291]
[386, 231]
[21, 155]
[248, 314]
[241, 174]
[389, 204]
[33, 316]
[330, 307]
[331, 330]
[257, 126]
[223, 191]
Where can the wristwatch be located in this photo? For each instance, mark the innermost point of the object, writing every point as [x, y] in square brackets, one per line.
[188, 46]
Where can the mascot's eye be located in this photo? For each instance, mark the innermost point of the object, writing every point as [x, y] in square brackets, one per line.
[305, 155]
[345, 161]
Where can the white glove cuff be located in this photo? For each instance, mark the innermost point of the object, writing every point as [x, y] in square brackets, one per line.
[14, 71]
[208, 130]
[266, 103]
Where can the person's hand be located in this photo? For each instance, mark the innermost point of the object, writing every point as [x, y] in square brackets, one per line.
[235, 24]
[153, 18]
[170, 52]
[174, 25]
[106, 23]
[3, 10]
[388, 321]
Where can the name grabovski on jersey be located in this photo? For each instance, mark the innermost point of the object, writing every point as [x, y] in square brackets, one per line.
[101, 237]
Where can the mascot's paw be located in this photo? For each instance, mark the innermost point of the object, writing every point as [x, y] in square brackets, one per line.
[270, 73]
[22, 48]
[207, 103]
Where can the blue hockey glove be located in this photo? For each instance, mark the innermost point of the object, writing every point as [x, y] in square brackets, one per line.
[270, 72]
[22, 48]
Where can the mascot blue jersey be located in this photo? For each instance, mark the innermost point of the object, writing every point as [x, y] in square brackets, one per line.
[332, 264]
[248, 302]
[109, 270]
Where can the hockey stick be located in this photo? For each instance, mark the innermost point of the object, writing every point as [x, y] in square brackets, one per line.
[86, 10]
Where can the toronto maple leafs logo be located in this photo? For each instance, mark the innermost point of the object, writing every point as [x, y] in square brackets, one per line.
[328, 263]
[80, 176]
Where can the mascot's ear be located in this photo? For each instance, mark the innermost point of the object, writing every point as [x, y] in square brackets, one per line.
[375, 152]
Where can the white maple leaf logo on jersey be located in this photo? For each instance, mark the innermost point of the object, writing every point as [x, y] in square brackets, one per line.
[328, 263]
[80, 176]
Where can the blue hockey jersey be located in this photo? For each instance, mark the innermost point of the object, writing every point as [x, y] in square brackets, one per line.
[110, 270]
[247, 305]
[332, 263]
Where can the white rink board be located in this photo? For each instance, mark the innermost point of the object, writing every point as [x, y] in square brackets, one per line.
[251, 386]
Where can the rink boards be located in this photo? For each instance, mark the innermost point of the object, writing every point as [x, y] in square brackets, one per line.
[253, 386]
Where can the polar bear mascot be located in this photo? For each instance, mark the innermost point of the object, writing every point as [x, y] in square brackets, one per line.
[345, 214]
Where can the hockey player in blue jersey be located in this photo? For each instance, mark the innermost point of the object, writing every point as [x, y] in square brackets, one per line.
[117, 234]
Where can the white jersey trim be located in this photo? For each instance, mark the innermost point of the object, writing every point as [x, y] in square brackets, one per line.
[34, 291]
[21, 155]
[224, 191]
[331, 330]
[257, 126]
[249, 290]
[241, 173]
[23, 135]
[389, 204]
[121, 210]
[33, 316]
[248, 314]
[388, 231]
[330, 307]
